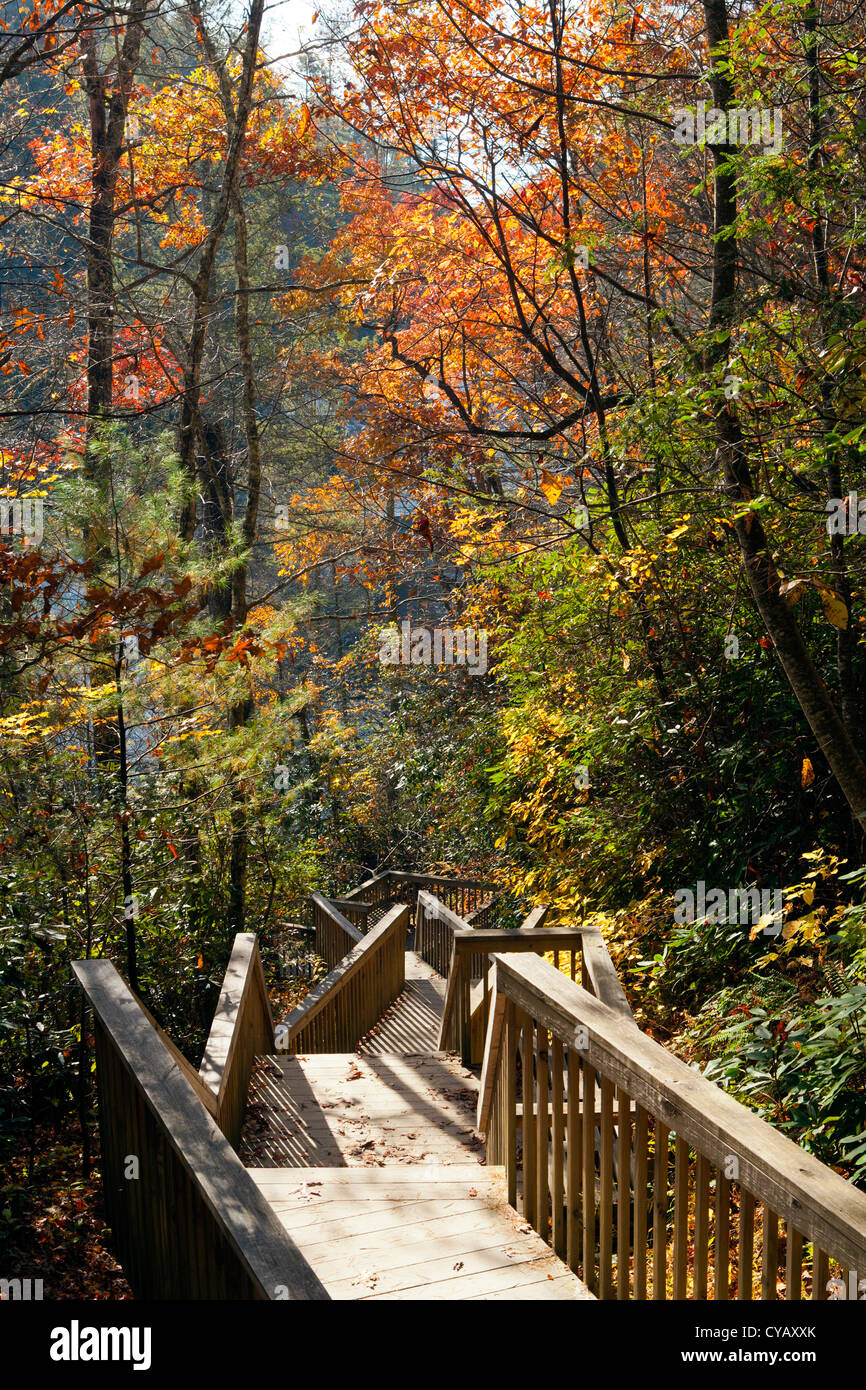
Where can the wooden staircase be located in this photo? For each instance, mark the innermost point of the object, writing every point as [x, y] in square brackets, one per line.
[453, 1112]
[373, 1165]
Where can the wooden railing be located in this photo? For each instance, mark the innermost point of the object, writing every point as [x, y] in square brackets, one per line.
[436, 927]
[457, 1032]
[461, 954]
[362, 907]
[377, 891]
[582, 1108]
[187, 1219]
[348, 1002]
[242, 1029]
[355, 911]
[335, 934]
[463, 896]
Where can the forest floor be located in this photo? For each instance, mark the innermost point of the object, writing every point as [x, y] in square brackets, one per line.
[52, 1224]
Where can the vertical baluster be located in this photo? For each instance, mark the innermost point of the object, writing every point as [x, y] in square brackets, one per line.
[770, 1256]
[660, 1211]
[721, 1261]
[745, 1256]
[542, 1175]
[605, 1193]
[820, 1273]
[573, 1160]
[702, 1226]
[793, 1265]
[557, 1137]
[463, 961]
[681, 1217]
[510, 1041]
[529, 1157]
[641, 1139]
[588, 1122]
[623, 1192]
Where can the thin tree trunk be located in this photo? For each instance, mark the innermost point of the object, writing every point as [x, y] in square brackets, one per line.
[814, 699]
[845, 639]
[190, 409]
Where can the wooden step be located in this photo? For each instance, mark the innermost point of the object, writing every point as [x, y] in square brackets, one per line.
[415, 1232]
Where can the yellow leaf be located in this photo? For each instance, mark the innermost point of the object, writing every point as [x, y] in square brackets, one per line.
[834, 609]
[626, 660]
[792, 589]
[809, 893]
[807, 777]
[550, 486]
[805, 927]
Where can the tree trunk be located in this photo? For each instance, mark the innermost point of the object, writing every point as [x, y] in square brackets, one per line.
[814, 699]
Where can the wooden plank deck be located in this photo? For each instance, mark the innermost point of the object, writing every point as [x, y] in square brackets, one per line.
[413, 1020]
[372, 1163]
[337, 1110]
[427, 1232]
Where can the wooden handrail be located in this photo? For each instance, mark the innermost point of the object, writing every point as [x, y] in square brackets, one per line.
[563, 1033]
[351, 999]
[368, 884]
[441, 879]
[600, 975]
[335, 934]
[242, 1029]
[469, 948]
[520, 939]
[186, 1217]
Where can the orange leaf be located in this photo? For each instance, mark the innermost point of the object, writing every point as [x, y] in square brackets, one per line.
[304, 123]
[807, 773]
[550, 486]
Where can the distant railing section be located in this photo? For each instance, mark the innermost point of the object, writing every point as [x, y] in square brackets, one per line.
[350, 1000]
[187, 1220]
[335, 934]
[470, 898]
[242, 1029]
[650, 1181]
[462, 954]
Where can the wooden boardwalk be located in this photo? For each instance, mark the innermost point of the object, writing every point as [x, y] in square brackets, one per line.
[338, 1110]
[425, 1232]
[372, 1163]
[412, 1022]
[340, 1154]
